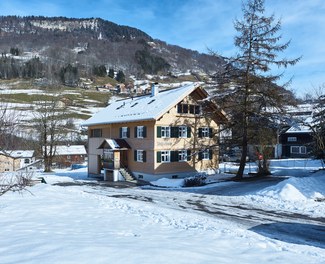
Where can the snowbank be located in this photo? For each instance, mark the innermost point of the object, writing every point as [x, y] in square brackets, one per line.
[169, 183]
[298, 189]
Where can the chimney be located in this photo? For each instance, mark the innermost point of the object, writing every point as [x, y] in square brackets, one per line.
[154, 89]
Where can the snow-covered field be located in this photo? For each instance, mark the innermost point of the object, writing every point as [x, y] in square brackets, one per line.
[72, 219]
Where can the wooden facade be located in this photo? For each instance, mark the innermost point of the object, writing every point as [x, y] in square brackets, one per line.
[296, 145]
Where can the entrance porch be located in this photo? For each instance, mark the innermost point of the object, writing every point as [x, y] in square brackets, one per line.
[115, 159]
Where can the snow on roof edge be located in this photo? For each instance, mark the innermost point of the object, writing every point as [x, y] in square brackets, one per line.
[98, 118]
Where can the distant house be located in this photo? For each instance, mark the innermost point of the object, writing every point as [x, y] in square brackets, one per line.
[14, 160]
[296, 142]
[67, 155]
[164, 134]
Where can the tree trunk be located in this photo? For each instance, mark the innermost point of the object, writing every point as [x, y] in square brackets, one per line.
[242, 164]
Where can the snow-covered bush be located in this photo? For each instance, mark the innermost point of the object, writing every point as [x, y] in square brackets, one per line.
[197, 180]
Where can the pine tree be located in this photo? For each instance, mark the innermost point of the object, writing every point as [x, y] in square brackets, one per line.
[246, 85]
[120, 77]
[111, 73]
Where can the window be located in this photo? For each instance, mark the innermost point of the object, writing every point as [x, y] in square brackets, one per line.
[182, 155]
[298, 150]
[108, 154]
[163, 156]
[292, 139]
[188, 108]
[26, 161]
[140, 132]
[165, 132]
[124, 132]
[205, 132]
[97, 132]
[205, 154]
[140, 156]
[182, 132]
[192, 109]
[68, 157]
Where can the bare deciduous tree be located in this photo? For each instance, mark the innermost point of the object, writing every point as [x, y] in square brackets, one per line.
[49, 118]
[14, 181]
[9, 120]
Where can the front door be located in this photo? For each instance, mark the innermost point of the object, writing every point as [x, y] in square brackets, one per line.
[124, 158]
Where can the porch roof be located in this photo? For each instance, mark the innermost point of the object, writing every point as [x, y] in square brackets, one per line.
[114, 144]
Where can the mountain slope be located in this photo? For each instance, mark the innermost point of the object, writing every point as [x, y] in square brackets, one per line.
[85, 43]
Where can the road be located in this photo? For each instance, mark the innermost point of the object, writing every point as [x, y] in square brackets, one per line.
[285, 226]
[218, 201]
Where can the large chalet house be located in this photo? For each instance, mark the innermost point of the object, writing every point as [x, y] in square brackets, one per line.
[171, 133]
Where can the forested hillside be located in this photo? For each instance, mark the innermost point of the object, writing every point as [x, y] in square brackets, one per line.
[66, 49]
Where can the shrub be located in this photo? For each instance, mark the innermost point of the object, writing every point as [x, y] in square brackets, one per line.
[197, 180]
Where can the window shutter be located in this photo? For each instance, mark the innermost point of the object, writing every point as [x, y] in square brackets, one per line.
[135, 132]
[144, 157]
[120, 132]
[189, 132]
[210, 154]
[135, 156]
[174, 156]
[158, 156]
[200, 132]
[127, 132]
[158, 131]
[200, 155]
[144, 131]
[188, 155]
[210, 132]
[174, 132]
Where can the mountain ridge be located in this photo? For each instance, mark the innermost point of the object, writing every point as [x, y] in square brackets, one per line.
[95, 41]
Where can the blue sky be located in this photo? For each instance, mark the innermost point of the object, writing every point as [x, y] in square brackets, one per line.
[203, 24]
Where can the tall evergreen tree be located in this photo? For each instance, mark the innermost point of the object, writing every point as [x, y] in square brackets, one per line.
[246, 84]
[111, 73]
[120, 77]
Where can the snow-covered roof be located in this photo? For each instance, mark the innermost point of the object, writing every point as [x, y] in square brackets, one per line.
[114, 144]
[299, 129]
[141, 108]
[70, 150]
[19, 153]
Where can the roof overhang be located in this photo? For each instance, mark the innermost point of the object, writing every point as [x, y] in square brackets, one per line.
[114, 144]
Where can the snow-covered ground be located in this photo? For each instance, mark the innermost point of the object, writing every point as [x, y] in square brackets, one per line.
[72, 219]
